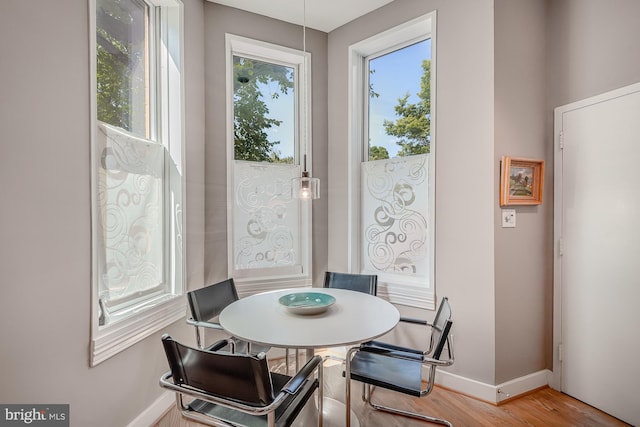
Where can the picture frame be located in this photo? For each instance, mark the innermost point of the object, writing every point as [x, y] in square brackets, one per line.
[521, 181]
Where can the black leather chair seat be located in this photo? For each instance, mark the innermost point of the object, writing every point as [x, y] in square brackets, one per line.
[285, 413]
[400, 373]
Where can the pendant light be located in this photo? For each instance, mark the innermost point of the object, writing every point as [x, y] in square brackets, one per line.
[305, 187]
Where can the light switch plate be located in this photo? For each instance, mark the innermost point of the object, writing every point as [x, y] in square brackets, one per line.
[508, 218]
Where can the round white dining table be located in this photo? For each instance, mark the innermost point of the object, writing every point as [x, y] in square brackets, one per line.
[355, 317]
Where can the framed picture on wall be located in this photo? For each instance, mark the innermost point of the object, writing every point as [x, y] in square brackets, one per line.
[521, 181]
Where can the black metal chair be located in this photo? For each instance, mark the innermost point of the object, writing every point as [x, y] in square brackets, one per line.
[356, 282]
[400, 368]
[220, 388]
[206, 304]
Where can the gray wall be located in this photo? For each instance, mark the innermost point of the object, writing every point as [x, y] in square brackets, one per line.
[45, 262]
[592, 48]
[523, 255]
[220, 20]
[465, 193]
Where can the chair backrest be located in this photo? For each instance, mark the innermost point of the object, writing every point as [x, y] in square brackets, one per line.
[440, 329]
[207, 302]
[356, 282]
[240, 377]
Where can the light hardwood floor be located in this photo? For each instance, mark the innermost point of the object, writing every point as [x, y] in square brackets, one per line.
[545, 407]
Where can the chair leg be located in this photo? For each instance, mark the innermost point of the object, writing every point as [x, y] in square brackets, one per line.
[396, 411]
[347, 364]
[320, 394]
[366, 392]
[286, 361]
[199, 341]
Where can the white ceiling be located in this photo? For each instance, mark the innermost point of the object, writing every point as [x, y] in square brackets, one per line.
[323, 15]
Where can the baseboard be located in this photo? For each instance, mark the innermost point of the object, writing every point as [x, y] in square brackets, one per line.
[494, 394]
[522, 385]
[157, 410]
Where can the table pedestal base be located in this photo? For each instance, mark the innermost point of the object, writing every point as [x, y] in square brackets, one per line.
[333, 414]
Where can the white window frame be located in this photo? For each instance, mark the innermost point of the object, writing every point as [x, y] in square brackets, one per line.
[405, 292]
[138, 322]
[247, 281]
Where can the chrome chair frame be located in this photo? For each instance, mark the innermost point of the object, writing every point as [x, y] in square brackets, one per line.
[291, 388]
[412, 356]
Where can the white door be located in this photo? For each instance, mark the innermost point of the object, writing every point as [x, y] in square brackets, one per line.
[598, 262]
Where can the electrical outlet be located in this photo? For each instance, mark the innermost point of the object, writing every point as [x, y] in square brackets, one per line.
[508, 218]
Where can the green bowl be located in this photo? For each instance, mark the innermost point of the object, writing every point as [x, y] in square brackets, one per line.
[307, 302]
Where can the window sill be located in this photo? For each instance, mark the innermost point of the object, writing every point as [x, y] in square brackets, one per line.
[412, 295]
[250, 286]
[111, 339]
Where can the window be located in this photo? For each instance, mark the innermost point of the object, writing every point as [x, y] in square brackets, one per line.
[137, 174]
[269, 244]
[393, 166]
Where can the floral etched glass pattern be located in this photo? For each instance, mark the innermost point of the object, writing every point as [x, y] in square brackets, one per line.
[266, 225]
[395, 208]
[130, 196]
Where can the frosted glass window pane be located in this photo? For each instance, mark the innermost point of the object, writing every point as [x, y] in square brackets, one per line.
[131, 201]
[266, 224]
[395, 229]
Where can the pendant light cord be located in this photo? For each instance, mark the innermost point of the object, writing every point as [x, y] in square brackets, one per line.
[305, 88]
